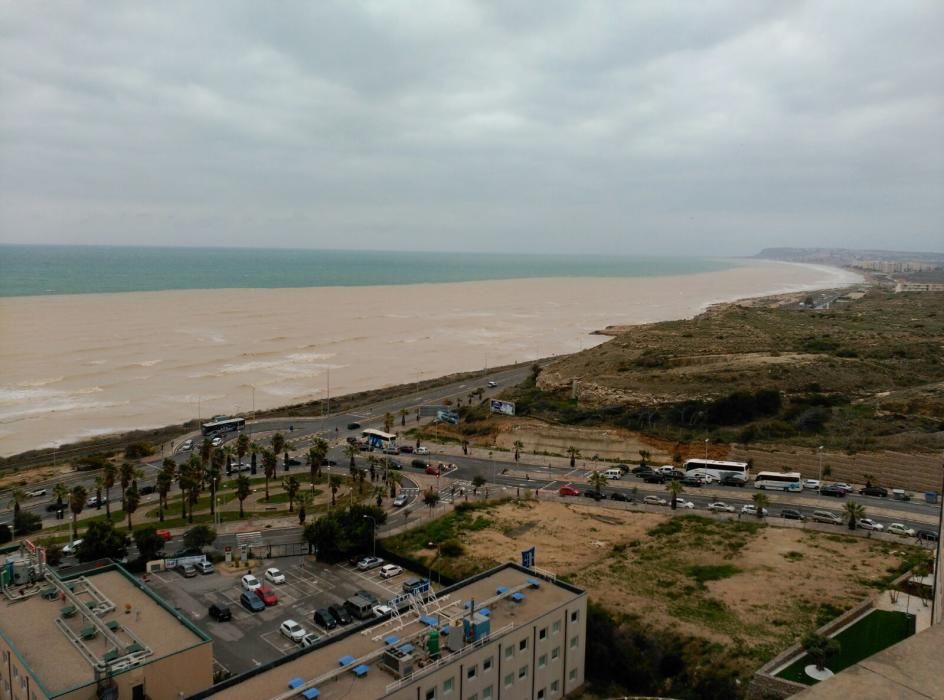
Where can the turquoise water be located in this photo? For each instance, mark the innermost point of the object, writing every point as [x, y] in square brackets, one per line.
[43, 270]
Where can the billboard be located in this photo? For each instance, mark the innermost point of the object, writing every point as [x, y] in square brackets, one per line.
[505, 407]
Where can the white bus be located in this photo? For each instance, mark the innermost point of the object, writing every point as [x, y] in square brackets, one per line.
[786, 481]
[714, 470]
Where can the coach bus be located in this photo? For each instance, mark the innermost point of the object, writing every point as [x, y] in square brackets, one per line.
[223, 424]
[785, 481]
[714, 470]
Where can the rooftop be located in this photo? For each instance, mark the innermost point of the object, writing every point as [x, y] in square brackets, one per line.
[349, 666]
[105, 617]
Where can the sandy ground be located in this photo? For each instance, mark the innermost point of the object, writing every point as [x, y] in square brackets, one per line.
[83, 365]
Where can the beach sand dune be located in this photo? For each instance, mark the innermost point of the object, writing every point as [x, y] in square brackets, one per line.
[83, 365]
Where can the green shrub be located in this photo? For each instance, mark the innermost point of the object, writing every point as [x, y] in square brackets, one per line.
[137, 450]
[451, 548]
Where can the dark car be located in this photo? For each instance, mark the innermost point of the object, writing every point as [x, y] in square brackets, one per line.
[926, 535]
[654, 478]
[617, 496]
[324, 618]
[832, 492]
[419, 464]
[220, 613]
[732, 480]
[406, 449]
[368, 596]
[874, 491]
[328, 463]
[674, 475]
[353, 426]
[641, 470]
[53, 507]
[392, 463]
[791, 514]
[340, 614]
[594, 495]
[251, 602]
[292, 462]
[692, 481]
[147, 490]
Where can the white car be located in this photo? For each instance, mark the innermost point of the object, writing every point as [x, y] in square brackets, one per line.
[36, 493]
[750, 509]
[368, 563]
[250, 583]
[655, 501]
[310, 639]
[381, 610]
[900, 530]
[719, 507]
[421, 451]
[869, 524]
[217, 441]
[390, 570]
[682, 503]
[844, 486]
[274, 575]
[187, 446]
[72, 547]
[492, 384]
[400, 500]
[293, 631]
[813, 484]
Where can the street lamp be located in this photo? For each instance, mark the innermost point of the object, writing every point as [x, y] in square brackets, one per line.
[706, 448]
[819, 452]
[373, 531]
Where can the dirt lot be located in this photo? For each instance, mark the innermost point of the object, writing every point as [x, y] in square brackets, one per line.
[734, 582]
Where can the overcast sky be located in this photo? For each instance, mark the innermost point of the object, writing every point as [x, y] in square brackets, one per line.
[629, 127]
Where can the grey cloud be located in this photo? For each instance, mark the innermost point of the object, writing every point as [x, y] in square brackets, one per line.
[650, 127]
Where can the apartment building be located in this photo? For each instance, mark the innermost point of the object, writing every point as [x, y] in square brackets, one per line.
[97, 634]
[510, 633]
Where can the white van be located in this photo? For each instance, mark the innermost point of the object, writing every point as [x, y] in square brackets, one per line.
[611, 474]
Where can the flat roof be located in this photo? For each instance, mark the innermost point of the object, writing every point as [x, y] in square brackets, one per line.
[30, 627]
[359, 642]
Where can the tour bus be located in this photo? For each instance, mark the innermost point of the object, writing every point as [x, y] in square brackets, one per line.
[713, 470]
[786, 481]
[223, 424]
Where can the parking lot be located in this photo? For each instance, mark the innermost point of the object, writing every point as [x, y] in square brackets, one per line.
[252, 639]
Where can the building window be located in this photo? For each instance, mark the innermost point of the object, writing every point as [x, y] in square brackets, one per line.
[573, 615]
[573, 674]
[541, 694]
[487, 664]
[471, 672]
[555, 628]
[448, 685]
[554, 686]
[487, 693]
[542, 633]
[509, 679]
[573, 642]
[431, 694]
[542, 661]
[523, 644]
[523, 672]
[509, 652]
[555, 652]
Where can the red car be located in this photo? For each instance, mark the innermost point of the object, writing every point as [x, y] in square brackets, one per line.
[568, 491]
[430, 469]
[267, 596]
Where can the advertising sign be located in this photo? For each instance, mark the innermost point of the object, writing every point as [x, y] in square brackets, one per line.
[504, 407]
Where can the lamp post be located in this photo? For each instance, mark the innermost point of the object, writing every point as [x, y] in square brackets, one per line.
[819, 452]
[706, 448]
[373, 533]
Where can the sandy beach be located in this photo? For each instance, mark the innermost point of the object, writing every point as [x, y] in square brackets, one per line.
[83, 365]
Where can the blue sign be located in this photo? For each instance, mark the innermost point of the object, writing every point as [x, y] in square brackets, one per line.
[527, 558]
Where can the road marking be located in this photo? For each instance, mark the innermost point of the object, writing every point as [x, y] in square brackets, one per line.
[548, 485]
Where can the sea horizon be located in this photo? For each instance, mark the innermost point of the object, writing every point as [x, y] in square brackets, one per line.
[49, 270]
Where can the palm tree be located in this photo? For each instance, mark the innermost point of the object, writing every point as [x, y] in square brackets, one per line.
[242, 446]
[206, 449]
[403, 414]
[228, 453]
[17, 495]
[431, 498]
[278, 443]
[479, 392]
[61, 492]
[478, 481]
[126, 475]
[109, 474]
[675, 488]
[334, 483]
[217, 459]
[761, 501]
[820, 648]
[291, 486]
[394, 478]
[644, 456]
[597, 481]
[518, 445]
[269, 464]
[132, 499]
[192, 475]
[243, 489]
[351, 452]
[164, 481]
[169, 467]
[573, 453]
[854, 512]
[318, 453]
[99, 482]
[76, 504]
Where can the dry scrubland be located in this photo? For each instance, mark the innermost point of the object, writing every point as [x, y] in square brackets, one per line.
[752, 588]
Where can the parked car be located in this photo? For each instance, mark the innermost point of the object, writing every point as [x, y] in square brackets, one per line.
[390, 570]
[812, 484]
[293, 631]
[220, 612]
[381, 610]
[654, 501]
[204, 567]
[720, 507]
[824, 516]
[325, 619]
[419, 464]
[654, 478]
[874, 491]
[869, 524]
[72, 547]
[692, 481]
[187, 570]
[416, 585]
[844, 486]
[353, 426]
[617, 496]
[833, 491]
[275, 576]
[682, 503]
[368, 563]
[147, 489]
[251, 602]
[568, 491]
[293, 462]
[927, 535]
[400, 500]
[641, 470]
[751, 509]
[340, 614]
[433, 470]
[901, 530]
[421, 451]
[309, 639]
[901, 495]
[187, 446]
[406, 449]
[791, 514]
[53, 507]
[250, 582]
[217, 441]
[267, 596]
[591, 493]
[733, 480]
[673, 475]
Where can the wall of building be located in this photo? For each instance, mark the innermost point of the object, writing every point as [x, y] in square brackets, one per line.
[16, 682]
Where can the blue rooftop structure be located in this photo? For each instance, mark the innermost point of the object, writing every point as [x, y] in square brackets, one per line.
[484, 611]
[295, 682]
[311, 694]
[407, 648]
[391, 639]
[501, 589]
[429, 620]
[361, 670]
[345, 661]
[517, 597]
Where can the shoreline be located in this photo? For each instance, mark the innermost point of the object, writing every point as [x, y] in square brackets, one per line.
[218, 351]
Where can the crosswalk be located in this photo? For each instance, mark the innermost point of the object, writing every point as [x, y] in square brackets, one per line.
[456, 490]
